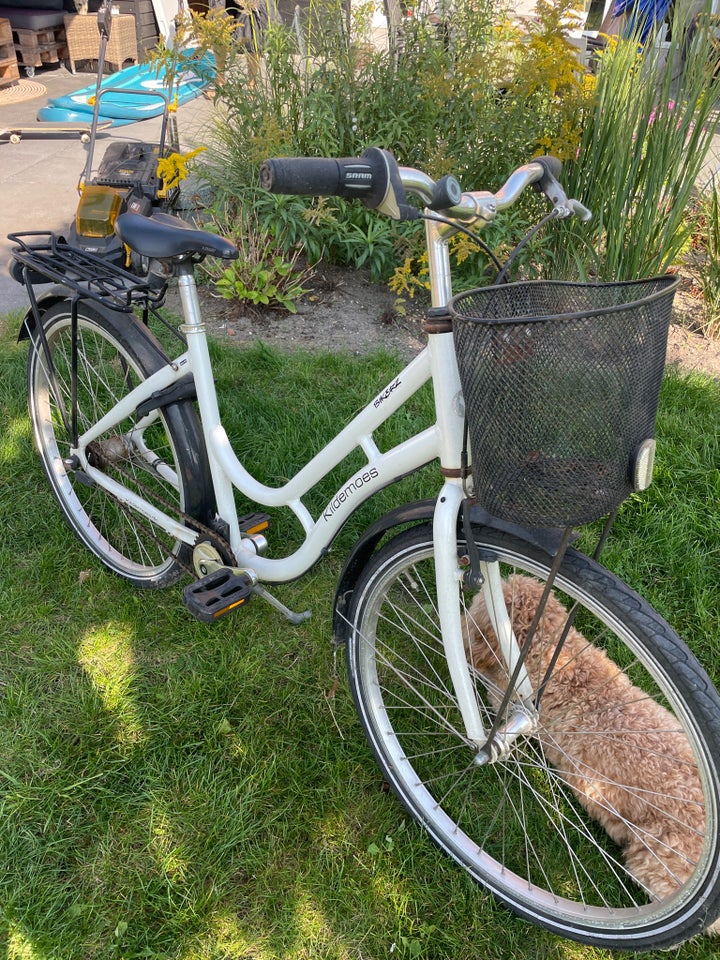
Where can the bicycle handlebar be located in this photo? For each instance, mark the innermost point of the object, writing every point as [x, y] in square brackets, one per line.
[376, 179]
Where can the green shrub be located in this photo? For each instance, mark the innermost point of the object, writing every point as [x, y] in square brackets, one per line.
[264, 274]
[633, 136]
[488, 101]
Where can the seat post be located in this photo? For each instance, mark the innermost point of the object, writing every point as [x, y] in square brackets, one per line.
[187, 288]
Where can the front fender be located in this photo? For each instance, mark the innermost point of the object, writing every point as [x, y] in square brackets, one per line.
[412, 514]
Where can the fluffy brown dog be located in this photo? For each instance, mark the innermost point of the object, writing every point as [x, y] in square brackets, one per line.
[620, 752]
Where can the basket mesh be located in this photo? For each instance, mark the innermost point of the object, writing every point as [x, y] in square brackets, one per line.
[561, 384]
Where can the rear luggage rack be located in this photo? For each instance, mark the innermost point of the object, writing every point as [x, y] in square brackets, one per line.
[48, 257]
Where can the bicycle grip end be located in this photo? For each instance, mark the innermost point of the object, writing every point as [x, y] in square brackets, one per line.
[551, 165]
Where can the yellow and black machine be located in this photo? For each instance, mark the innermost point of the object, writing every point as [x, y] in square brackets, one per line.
[132, 175]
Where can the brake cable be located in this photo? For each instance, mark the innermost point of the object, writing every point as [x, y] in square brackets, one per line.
[462, 229]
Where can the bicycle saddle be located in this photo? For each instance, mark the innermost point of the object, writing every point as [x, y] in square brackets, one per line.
[164, 237]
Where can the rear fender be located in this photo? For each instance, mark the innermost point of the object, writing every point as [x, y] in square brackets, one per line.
[60, 294]
[48, 298]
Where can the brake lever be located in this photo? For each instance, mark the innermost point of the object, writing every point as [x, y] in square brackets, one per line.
[551, 187]
[389, 196]
[573, 208]
[581, 212]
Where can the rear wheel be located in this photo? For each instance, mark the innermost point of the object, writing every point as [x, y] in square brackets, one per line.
[599, 758]
[163, 460]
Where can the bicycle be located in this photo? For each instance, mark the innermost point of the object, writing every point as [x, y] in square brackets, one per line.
[137, 457]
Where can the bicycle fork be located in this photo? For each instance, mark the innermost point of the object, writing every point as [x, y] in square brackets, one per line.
[449, 576]
[489, 744]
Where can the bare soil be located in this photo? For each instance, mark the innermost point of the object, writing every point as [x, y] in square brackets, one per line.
[345, 311]
[687, 347]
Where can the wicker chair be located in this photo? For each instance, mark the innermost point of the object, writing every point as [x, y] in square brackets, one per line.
[83, 40]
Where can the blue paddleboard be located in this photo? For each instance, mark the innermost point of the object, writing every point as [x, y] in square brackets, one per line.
[130, 95]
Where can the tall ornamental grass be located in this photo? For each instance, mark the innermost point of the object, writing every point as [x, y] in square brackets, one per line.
[645, 138]
[703, 257]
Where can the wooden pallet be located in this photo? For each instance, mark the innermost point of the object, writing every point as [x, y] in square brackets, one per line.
[36, 47]
[9, 73]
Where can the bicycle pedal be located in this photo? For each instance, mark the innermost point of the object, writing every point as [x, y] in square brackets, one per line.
[217, 594]
[253, 523]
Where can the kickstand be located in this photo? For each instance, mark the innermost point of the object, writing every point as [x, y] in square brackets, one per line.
[294, 618]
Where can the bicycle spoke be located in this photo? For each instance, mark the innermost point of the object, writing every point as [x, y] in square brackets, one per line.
[534, 821]
[113, 355]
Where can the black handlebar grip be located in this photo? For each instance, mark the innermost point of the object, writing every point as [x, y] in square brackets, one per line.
[552, 165]
[318, 176]
[373, 178]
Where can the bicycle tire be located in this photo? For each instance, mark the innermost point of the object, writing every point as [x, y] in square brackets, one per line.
[515, 824]
[114, 354]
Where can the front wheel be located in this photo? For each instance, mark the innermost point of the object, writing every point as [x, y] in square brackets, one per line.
[599, 821]
[160, 457]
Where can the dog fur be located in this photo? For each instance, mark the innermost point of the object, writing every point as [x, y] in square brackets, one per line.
[618, 750]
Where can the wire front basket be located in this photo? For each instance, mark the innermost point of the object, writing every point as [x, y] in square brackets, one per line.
[561, 384]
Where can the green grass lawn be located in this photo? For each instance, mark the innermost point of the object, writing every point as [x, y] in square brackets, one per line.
[178, 791]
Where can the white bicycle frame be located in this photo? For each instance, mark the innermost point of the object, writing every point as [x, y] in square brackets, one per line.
[443, 441]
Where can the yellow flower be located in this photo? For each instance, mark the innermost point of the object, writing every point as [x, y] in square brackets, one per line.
[173, 168]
